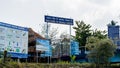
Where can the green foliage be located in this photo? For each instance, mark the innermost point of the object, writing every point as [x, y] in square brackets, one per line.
[102, 52]
[99, 34]
[73, 58]
[91, 42]
[55, 65]
[13, 64]
[82, 31]
[117, 65]
[113, 23]
[63, 62]
[1, 60]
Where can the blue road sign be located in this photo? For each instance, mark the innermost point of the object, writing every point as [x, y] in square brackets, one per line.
[58, 20]
[74, 48]
[46, 47]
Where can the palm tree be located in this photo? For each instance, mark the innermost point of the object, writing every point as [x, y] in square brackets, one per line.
[113, 23]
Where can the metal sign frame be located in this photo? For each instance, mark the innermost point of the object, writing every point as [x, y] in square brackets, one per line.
[58, 20]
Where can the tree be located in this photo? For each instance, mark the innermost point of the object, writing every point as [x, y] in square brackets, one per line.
[65, 43]
[52, 32]
[99, 34]
[43, 30]
[113, 23]
[103, 50]
[82, 31]
[91, 42]
[62, 46]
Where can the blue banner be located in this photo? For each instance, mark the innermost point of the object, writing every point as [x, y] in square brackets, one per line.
[13, 26]
[14, 40]
[46, 45]
[17, 55]
[74, 48]
[58, 20]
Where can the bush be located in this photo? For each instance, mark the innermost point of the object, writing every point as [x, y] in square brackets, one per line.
[13, 64]
[115, 65]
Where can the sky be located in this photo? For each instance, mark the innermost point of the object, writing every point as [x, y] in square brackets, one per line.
[30, 13]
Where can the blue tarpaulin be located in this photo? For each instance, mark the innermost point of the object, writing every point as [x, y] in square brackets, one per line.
[115, 58]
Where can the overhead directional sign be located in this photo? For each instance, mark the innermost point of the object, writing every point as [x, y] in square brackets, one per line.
[58, 20]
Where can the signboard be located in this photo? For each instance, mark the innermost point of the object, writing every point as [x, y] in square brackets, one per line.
[14, 39]
[44, 45]
[58, 20]
[74, 48]
[41, 48]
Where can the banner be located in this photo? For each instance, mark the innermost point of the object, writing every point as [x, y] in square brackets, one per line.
[44, 45]
[74, 48]
[14, 39]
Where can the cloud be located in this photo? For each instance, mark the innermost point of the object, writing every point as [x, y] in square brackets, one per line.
[27, 12]
[101, 2]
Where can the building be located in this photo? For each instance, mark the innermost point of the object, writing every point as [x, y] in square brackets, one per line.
[32, 56]
[114, 34]
[20, 42]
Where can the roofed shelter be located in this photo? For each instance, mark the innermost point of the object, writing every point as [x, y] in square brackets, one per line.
[32, 56]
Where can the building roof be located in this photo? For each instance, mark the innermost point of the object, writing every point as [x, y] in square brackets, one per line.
[33, 35]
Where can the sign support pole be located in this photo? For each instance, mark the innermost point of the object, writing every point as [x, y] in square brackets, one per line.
[47, 37]
[59, 20]
[37, 55]
[70, 40]
[18, 60]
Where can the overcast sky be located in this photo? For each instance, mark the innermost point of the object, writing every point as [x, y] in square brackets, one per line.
[30, 13]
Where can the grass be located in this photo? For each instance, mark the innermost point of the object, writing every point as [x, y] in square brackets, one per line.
[60, 64]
